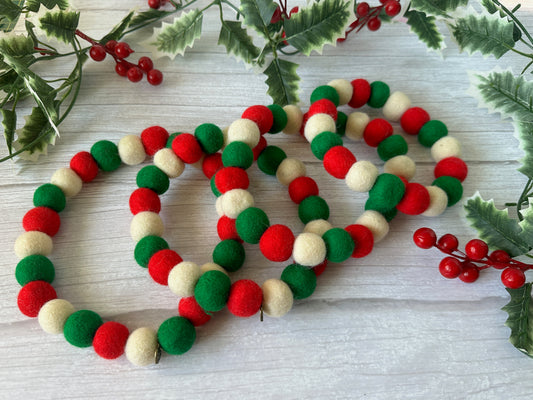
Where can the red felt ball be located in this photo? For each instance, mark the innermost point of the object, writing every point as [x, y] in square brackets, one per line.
[110, 339]
[415, 200]
[33, 296]
[305, 117]
[376, 131]
[320, 268]
[301, 188]
[277, 242]
[361, 93]
[338, 160]
[211, 164]
[413, 120]
[323, 106]
[144, 199]
[190, 309]
[226, 229]
[363, 239]
[42, 219]
[403, 179]
[161, 263]
[229, 178]
[245, 298]
[261, 115]
[451, 166]
[84, 165]
[187, 148]
[258, 149]
[154, 139]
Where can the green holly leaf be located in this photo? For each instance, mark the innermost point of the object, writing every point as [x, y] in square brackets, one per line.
[237, 41]
[437, 7]
[527, 224]
[117, 32]
[496, 227]
[9, 121]
[10, 10]
[524, 133]
[520, 319]
[34, 5]
[61, 24]
[257, 14]
[489, 6]
[147, 17]
[35, 136]
[18, 46]
[282, 81]
[317, 25]
[172, 39]
[7, 25]
[425, 28]
[488, 35]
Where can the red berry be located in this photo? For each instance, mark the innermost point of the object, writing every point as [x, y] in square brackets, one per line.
[362, 9]
[123, 50]
[425, 238]
[392, 8]
[121, 69]
[469, 272]
[373, 24]
[276, 17]
[450, 267]
[145, 63]
[513, 278]
[154, 4]
[501, 257]
[447, 243]
[294, 10]
[135, 74]
[97, 52]
[476, 249]
[110, 45]
[154, 77]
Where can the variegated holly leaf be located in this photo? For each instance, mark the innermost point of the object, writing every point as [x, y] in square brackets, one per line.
[10, 10]
[237, 41]
[146, 17]
[524, 134]
[282, 81]
[9, 121]
[527, 224]
[118, 30]
[35, 136]
[34, 5]
[520, 318]
[437, 7]
[425, 27]
[258, 14]
[489, 6]
[61, 24]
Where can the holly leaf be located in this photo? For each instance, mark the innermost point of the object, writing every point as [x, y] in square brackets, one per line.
[117, 32]
[257, 14]
[489, 6]
[524, 133]
[61, 24]
[437, 7]
[520, 318]
[172, 39]
[487, 34]
[282, 81]
[496, 227]
[9, 121]
[17, 46]
[35, 136]
[10, 10]
[147, 17]
[425, 27]
[34, 5]
[322, 23]
[527, 224]
[237, 41]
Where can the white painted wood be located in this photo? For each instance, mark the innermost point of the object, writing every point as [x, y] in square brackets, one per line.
[384, 327]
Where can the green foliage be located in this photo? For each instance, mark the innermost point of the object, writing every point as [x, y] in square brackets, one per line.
[147, 17]
[438, 7]
[282, 81]
[237, 41]
[257, 14]
[36, 133]
[34, 5]
[489, 6]
[9, 121]
[16, 46]
[173, 39]
[117, 32]
[61, 24]
[10, 10]
[425, 28]
[524, 133]
[520, 318]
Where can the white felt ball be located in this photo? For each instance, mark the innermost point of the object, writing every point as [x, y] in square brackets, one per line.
[344, 88]
[211, 266]
[309, 249]
[236, 201]
[131, 150]
[277, 298]
[376, 222]
[318, 227]
[146, 223]
[141, 347]
[401, 166]
[53, 314]
[396, 105]
[218, 206]
[438, 201]
[225, 135]
[168, 162]
[289, 170]
[295, 118]
[361, 176]
[183, 277]
[445, 147]
[68, 181]
[356, 124]
[244, 130]
[198, 164]
[318, 123]
[33, 242]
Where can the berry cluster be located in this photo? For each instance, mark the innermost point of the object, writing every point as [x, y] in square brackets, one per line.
[466, 266]
[156, 4]
[371, 16]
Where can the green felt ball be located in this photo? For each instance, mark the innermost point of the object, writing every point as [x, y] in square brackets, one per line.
[106, 155]
[212, 290]
[340, 124]
[81, 326]
[379, 94]
[452, 186]
[251, 224]
[301, 280]
[238, 154]
[171, 139]
[147, 247]
[323, 142]
[386, 193]
[34, 268]
[313, 207]
[210, 137]
[432, 131]
[151, 177]
[392, 146]
[280, 118]
[270, 159]
[214, 189]
[339, 244]
[325, 92]
[51, 196]
[176, 335]
[229, 254]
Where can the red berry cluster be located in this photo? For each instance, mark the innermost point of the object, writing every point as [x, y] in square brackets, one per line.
[155, 4]
[466, 266]
[370, 16]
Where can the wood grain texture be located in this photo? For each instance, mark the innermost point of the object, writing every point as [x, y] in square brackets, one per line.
[384, 327]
